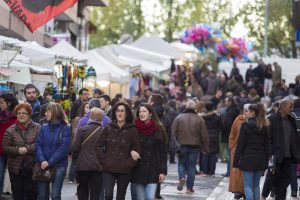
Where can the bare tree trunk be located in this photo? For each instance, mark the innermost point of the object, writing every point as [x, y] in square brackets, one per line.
[294, 49]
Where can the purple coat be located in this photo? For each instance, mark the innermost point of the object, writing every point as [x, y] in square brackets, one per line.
[84, 120]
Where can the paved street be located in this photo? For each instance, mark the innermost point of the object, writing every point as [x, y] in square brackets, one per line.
[204, 186]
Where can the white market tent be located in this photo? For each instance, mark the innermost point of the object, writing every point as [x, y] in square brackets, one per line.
[66, 49]
[109, 53]
[290, 67]
[106, 70]
[155, 44]
[150, 62]
[117, 79]
[38, 55]
[184, 47]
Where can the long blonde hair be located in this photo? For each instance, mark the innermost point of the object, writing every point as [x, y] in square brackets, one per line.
[57, 113]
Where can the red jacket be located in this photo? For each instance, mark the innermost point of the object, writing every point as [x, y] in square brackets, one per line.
[3, 127]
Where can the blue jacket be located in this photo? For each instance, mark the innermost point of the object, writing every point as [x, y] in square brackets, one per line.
[52, 144]
[84, 120]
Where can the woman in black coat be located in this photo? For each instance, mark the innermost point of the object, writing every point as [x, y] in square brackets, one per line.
[252, 151]
[152, 167]
[213, 124]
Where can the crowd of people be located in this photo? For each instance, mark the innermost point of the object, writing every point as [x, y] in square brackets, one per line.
[250, 122]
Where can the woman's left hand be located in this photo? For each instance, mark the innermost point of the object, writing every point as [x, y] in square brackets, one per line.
[162, 178]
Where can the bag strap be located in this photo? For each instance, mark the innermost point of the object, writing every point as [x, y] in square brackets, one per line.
[86, 139]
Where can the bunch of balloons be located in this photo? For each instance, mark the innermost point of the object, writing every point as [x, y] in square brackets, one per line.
[205, 36]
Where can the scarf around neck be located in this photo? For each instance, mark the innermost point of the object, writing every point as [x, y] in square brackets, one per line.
[6, 116]
[145, 129]
[23, 127]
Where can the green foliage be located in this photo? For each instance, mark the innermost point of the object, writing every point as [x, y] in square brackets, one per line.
[118, 18]
[281, 33]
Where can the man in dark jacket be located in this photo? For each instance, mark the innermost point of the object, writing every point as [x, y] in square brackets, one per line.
[231, 113]
[83, 97]
[284, 146]
[156, 100]
[30, 92]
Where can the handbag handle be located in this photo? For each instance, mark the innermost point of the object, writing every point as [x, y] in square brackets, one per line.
[86, 139]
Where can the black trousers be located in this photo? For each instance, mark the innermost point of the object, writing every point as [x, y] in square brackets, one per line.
[282, 178]
[89, 185]
[109, 180]
[23, 187]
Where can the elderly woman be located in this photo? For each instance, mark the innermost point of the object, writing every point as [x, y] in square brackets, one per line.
[19, 146]
[52, 147]
[236, 181]
[89, 169]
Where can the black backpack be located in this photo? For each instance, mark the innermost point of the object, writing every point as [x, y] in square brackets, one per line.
[296, 116]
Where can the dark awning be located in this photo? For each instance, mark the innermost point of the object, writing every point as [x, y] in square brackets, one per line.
[64, 18]
[84, 3]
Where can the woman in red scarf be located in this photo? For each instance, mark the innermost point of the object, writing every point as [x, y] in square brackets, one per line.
[7, 118]
[19, 146]
[152, 167]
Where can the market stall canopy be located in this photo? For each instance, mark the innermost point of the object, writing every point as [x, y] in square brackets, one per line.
[155, 44]
[66, 49]
[184, 47]
[39, 56]
[106, 70]
[151, 62]
[109, 53]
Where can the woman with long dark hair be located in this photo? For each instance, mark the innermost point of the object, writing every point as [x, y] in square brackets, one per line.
[19, 146]
[7, 118]
[52, 148]
[252, 151]
[118, 149]
[152, 167]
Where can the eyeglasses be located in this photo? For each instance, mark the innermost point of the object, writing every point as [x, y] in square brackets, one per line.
[120, 111]
[22, 113]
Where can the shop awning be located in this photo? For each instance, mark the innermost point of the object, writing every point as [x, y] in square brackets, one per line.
[7, 71]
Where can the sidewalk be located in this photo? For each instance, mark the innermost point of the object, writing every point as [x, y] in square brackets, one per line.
[221, 191]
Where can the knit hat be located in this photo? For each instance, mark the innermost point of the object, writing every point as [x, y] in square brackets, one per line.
[94, 102]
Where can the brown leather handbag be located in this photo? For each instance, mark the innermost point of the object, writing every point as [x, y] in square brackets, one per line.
[40, 174]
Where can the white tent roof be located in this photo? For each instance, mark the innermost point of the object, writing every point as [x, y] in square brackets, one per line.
[66, 49]
[151, 62]
[39, 56]
[106, 70]
[156, 44]
[110, 54]
[184, 47]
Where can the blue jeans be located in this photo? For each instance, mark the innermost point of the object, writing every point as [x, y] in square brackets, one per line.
[133, 191]
[57, 183]
[294, 183]
[209, 163]
[251, 184]
[187, 163]
[3, 162]
[228, 158]
[145, 191]
[72, 170]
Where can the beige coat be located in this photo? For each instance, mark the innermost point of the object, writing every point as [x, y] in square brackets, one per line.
[236, 182]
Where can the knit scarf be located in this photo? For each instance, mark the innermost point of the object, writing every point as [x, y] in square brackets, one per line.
[6, 116]
[22, 127]
[145, 129]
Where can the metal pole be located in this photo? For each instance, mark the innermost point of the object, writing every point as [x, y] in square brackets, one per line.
[266, 28]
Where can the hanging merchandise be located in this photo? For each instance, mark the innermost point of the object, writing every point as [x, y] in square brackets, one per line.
[91, 72]
[81, 75]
